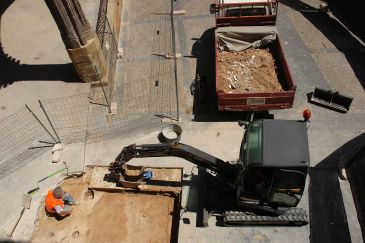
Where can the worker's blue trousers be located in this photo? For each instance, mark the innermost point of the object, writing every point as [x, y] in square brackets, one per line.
[67, 199]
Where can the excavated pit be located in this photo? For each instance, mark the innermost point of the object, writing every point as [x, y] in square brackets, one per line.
[123, 216]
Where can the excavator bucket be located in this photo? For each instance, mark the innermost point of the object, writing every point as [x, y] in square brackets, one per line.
[132, 176]
[331, 99]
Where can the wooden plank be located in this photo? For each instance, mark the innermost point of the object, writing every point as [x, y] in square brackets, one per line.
[164, 180]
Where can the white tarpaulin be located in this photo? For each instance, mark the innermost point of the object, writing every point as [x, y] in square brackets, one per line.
[239, 38]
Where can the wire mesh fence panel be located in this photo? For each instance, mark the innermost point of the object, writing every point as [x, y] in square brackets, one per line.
[22, 139]
[20, 160]
[97, 115]
[132, 112]
[68, 116]
[117, 125]
[101, 22]
[110, 50]
[133, 96]
[87, 117]
[108, 45]
[163, 92]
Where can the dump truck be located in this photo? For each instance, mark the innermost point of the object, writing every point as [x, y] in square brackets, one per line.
[252, 73]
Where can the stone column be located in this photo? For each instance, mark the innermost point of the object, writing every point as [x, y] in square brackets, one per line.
[80, 40]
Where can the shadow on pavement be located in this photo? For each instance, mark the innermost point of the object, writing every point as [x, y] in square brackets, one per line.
[203, 87]
[355, 173]
[328, 220]
[12, 70]
[192, 199]
[336, 33]
[351, 14]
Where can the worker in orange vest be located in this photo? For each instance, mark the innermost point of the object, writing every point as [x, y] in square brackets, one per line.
[58, 202]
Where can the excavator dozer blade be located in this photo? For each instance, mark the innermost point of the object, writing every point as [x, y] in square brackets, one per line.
[331, 99]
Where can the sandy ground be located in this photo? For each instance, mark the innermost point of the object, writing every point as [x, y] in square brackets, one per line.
[108, 217]
[248, 71]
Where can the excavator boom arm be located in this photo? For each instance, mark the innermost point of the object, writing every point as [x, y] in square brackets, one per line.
[180, 150]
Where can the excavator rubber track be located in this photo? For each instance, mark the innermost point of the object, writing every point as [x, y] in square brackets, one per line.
[293, 217]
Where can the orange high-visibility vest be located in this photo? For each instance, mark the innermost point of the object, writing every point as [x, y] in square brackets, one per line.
[51, 202]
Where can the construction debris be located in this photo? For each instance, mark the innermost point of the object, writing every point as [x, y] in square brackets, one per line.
[248, 71]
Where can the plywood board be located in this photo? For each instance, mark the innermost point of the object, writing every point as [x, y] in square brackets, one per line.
[164, 180]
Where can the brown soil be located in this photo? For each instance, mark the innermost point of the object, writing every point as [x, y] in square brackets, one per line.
[248, 71]
[108, 217]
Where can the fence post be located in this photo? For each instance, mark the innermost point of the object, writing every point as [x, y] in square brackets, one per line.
[175, 61]
[102, 87]
[50, 123]
[44, 127]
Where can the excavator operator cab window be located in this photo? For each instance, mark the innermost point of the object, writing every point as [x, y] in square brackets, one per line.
[279, 186]
[258, 182]
[287, 187]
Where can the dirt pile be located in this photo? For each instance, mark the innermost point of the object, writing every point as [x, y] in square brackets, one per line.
[248, 71]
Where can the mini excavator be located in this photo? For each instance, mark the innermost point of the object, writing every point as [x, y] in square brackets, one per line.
[263, 187]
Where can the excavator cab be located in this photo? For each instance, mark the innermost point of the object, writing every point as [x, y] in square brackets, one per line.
[275, 157]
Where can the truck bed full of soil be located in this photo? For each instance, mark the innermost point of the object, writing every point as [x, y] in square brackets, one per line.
[248, 71]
